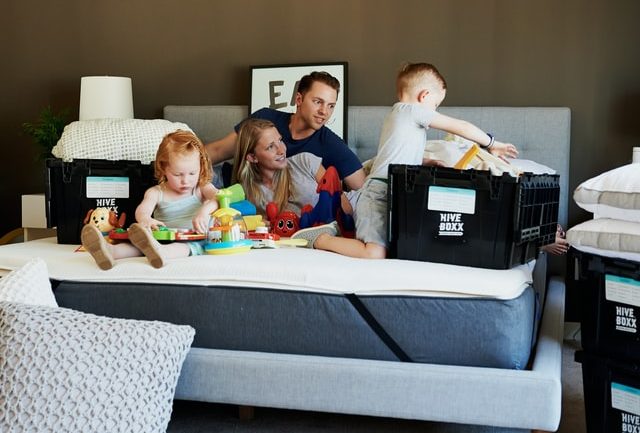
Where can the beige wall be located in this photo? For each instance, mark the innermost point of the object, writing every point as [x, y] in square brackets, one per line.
[578, 53]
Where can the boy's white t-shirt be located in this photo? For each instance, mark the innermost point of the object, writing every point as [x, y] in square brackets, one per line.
[403, 137]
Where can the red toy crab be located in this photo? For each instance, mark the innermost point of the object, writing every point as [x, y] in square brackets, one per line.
[284, 223]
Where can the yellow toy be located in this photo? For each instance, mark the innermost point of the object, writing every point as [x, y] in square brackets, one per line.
[225, 234]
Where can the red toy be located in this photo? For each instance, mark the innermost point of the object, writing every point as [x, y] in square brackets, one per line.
[162, 234]
[284, 223]
[329, 206]
[255, 235]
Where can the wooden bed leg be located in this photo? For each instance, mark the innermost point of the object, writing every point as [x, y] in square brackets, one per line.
[246, 413]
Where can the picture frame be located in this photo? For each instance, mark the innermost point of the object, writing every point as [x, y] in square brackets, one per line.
[275, 86]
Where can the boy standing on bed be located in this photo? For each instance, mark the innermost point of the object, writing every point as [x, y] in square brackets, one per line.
[421, 89]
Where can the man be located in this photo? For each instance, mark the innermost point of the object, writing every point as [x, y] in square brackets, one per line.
[305, 130]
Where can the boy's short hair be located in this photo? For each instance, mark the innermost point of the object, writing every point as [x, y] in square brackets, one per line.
[324, 77]
[411, 75]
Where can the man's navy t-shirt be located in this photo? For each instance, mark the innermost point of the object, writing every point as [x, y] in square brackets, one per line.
[323, 143]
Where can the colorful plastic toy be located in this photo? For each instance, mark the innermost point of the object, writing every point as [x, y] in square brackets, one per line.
[225, 236]
[163, 234]
[263, 239]
[173, 234]
[119, 234]
[231, 247]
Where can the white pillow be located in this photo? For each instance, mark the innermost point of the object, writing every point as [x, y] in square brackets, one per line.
[114, 139]
[66, 371]
[29, 285]
[606, 234]
[613, 194]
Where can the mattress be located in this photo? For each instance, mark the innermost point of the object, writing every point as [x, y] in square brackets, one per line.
[301, 301]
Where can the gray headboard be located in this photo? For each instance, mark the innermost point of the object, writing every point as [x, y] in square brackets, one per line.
[542, 134]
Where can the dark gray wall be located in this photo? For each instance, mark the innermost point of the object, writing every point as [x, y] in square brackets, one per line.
[577, 53]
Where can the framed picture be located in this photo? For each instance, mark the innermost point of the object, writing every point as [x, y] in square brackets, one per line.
[275, 86]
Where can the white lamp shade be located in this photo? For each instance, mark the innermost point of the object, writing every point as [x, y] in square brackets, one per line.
[106, 98]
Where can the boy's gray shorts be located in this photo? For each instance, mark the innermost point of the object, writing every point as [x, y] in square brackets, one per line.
[371, 213]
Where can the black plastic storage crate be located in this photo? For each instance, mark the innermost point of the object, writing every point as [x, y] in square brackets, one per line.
[74, 188]
[610, 295]
[611, 394]
[470, 217]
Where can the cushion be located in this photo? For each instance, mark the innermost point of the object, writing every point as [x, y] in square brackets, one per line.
[613, 194]
[114, 139]
[29, 284]
[63, 370]
[606, 234]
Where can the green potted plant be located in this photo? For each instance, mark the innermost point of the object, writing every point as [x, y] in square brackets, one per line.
[47, 129]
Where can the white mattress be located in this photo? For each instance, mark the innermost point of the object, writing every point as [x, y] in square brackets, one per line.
[283, 268]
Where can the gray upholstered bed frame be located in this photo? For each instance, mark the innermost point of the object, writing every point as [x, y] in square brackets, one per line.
[514, 401]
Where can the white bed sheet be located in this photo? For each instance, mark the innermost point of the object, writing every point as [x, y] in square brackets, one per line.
[283, 268]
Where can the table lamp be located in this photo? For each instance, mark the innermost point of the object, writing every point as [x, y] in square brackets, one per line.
[105, 97]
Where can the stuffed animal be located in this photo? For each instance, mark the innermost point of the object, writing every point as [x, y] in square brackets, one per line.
[328, 208]
[105, 219]
[329, 191]
[284, 223]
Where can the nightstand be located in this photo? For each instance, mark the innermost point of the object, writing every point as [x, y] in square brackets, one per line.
[34, 218]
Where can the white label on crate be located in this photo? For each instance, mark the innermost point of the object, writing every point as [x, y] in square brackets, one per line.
[627, 399]
[456, 200]
[107, 186]
[621, 289]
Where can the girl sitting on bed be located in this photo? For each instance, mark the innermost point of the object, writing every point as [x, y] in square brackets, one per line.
[183, 198]
[267, 175]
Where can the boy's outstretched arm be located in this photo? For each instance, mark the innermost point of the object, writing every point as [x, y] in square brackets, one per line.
[471, 132]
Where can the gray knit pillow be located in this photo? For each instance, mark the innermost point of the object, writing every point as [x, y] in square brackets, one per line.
[66, 371]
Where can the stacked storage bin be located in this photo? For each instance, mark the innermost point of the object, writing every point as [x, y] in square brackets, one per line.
[604, 264]
[101, 163]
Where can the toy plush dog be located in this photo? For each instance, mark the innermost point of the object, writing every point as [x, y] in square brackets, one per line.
[104, 219]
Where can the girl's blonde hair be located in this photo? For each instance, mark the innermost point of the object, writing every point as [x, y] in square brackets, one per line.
[181, 142]
[248, 174]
